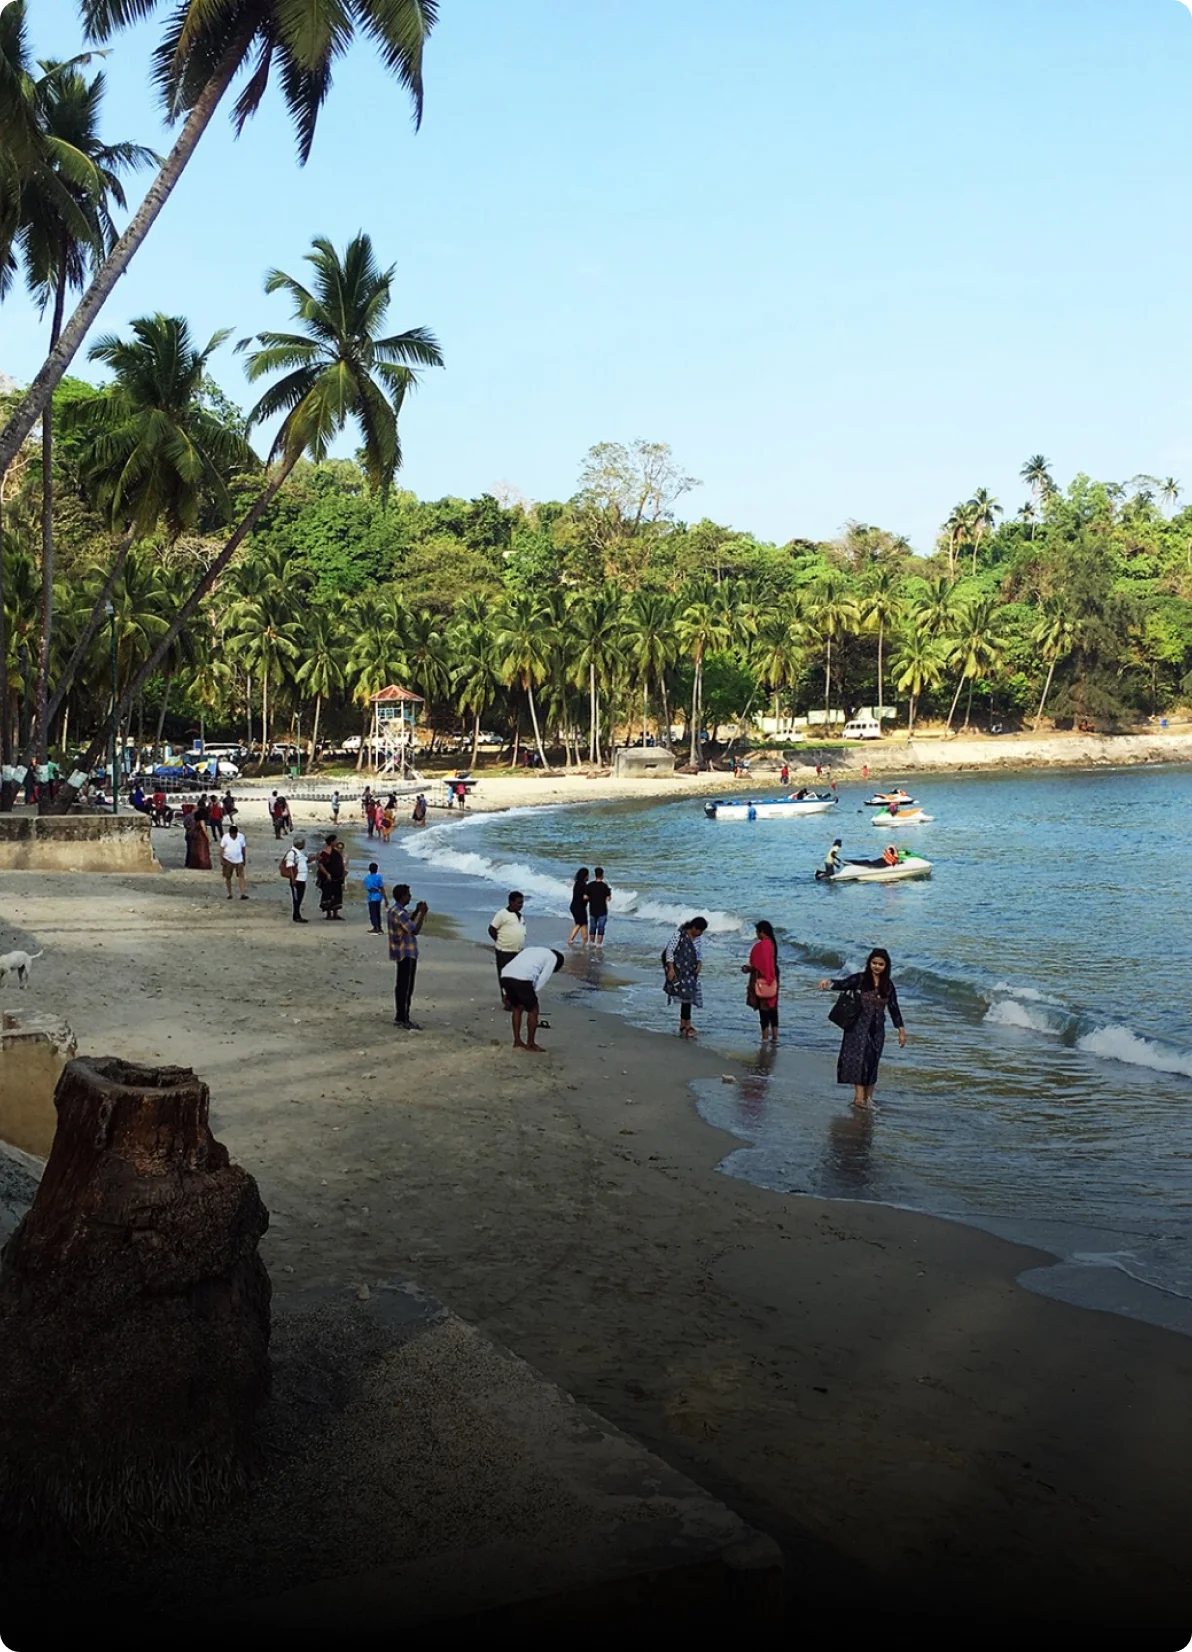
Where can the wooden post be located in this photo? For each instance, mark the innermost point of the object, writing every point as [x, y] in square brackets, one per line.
[134, 1315]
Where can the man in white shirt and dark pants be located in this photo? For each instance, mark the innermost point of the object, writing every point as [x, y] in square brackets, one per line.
[296, 867]
[522, 979]
[232, 855]
[508, 931]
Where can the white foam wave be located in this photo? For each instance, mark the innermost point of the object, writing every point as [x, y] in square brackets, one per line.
[1116, 1043]
[435, 848]
[1030, 995]
[1008, 1012]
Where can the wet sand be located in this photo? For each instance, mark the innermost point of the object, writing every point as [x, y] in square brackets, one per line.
[869, 1386]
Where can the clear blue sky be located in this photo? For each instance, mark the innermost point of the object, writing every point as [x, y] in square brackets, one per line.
[851, 258]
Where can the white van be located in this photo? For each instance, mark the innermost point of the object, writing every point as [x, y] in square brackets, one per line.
[864, 728]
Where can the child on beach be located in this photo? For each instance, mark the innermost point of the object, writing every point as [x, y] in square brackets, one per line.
[374, 893]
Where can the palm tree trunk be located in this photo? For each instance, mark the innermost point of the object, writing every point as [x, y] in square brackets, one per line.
[160, 716]
[968, 708]
[910, 721]
[365, 733]
[516, 738]
[534, 719]
[1046, 692]
[35, 400]
[666, 718]
[828, 685]
[63, 728]
[314, 739]
[264, 720]
[881, 685]
[591, 711]
[186, 612]
[955, 699]
[47, 536]
[475, 739]
[693, 720]
[8, 785]
[645, 708]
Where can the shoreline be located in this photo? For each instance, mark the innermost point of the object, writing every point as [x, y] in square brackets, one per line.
[863, 1382]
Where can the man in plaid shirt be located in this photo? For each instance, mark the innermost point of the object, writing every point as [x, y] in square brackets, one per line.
[404, 927]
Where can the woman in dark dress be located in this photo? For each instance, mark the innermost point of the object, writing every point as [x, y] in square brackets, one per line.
[863, 1042]
[682, 962]
[330, 871]
[198, 850]
[579, 905]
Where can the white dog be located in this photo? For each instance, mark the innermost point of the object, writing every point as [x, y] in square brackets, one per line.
[17, 963]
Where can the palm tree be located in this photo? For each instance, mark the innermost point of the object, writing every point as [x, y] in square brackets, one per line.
[933, 605]
[983, 512]
[64, 229]
[1055, 636]
[977, 650]
[959, 528]
[377, 655]
[777, 652]
[703, 624]
[1037, 473]
[832, 613]
[595, 631]
[650, 631]
[881, 607]
[203, 49]
[336, 369]
[1170, 492]
[476, 676]
[265, 634]
[918, 666]
[323, 658]
[524, 642]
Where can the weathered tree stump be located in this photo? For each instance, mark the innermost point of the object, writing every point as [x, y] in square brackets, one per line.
[134, 1315]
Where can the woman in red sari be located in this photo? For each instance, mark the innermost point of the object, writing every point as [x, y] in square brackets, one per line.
[762, 970]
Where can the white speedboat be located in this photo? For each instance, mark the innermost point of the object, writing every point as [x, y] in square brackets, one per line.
[877, 871]
[775, 808]
[904, 817]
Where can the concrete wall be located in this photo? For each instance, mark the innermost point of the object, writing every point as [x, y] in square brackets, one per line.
[639, 762]
[33, 1051]
[76, 843]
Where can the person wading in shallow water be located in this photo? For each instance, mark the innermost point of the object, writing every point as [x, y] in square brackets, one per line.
[863, 1042]
[682, 962]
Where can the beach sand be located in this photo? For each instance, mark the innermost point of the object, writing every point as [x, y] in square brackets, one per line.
[870, 1387]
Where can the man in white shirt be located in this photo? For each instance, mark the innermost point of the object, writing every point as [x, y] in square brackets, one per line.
[233, 853]
[522, 979]
[508, 931]
[296, 867]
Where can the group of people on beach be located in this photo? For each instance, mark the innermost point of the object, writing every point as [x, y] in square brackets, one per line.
[591, 898]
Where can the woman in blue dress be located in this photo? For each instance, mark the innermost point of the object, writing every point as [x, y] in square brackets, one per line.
[682, 962]
[863, 1042]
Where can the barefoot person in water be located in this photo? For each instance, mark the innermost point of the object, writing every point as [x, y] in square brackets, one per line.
[522, 979]
[863, 1042]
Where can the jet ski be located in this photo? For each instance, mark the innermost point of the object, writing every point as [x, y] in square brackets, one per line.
[904, 817]
[878, 871]
[882, 800]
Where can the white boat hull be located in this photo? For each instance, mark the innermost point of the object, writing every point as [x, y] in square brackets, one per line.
[912, 817]
[904, 872]
[778, 809]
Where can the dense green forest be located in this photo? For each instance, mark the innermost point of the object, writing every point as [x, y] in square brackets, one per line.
[155, 560]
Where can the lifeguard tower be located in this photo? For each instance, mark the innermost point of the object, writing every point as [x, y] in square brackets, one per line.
[395, 717]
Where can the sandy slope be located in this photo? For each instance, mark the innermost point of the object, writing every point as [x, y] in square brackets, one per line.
[869, 1386]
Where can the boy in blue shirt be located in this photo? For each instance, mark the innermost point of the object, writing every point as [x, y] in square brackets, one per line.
[374, 890]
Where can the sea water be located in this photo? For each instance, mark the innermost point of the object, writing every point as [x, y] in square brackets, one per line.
[1045, 973]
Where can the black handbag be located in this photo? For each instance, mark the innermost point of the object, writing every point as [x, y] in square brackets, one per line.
[846, 1011]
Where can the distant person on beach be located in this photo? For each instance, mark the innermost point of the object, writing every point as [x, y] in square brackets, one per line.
[762, 970]
[233, 857]
[374, 893]
[335, 808]
[369, 808]
[863, 1042]
[404, 928]
[201, 814]
[785, 776]
[599, 897]
[279, 809]
[198, 849]
[683, 962]
[215, 814]
[418, 816]
[296, 868]
[508, 933]
[229, 807]
[162, 813]
[387, 819]
[522, 979]
[365, 800]
[330, 872]
[579, 905]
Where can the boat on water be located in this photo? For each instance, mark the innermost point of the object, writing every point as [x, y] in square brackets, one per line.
[775, 808]
[883, 800]
[878, 871]
[904, 817]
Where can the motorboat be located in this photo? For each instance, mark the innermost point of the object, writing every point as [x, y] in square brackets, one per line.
[775, 808]
[882, 800]
[904, 817]
[877, 871]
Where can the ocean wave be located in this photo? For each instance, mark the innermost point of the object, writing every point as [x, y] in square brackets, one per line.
[1117, 1043]
[435, 848]
[1009, 1012]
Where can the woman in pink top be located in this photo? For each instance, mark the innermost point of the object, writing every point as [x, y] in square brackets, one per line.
[762, 970]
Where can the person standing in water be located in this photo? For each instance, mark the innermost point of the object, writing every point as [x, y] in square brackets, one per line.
[763, 973]
[863, 1042]
[579, 905]
[682, 962]
[599, 899]
[834, 860]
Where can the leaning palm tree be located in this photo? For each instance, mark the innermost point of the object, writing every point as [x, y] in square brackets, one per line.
[880, 607]
[336, 369]
[983, 512]
[524, 642]
[918, 667]
[1054, 636]
[978, 648]
[704, 623]
[204, 47]
[777, 651]
[64, 230]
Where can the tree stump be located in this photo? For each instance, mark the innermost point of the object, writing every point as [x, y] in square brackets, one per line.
[134, 1315]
